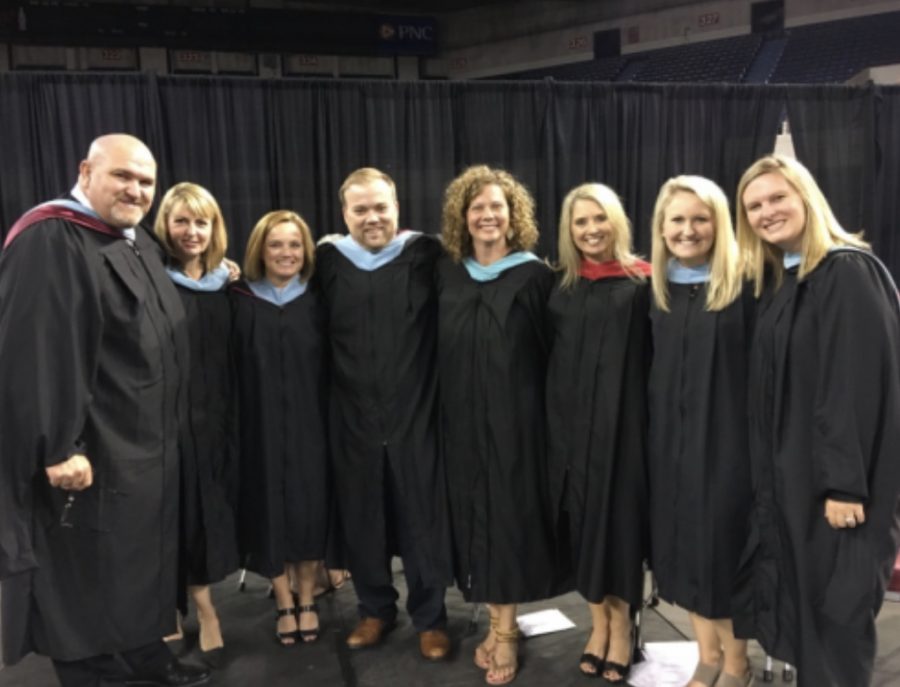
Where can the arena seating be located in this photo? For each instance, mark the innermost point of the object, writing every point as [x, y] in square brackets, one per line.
[835, 51]
[727, 59]
[606, 69]
[829, 52]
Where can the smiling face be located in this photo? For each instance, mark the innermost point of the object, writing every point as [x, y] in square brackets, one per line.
[592, 231]
[282, 253]
[487, 217]
[371, 214]
[688, 229]
[119, 180]
[775, 211]
[189, 234]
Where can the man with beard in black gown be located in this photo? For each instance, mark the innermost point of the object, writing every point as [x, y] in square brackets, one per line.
[93, 350]
[378, 285]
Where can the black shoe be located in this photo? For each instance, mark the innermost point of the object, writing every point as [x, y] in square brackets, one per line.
[175, 674]
[214, 658]
[308, 636]
[620, 670]
[594, 661]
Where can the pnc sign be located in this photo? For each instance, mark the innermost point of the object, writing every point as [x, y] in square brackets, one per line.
[407, 35]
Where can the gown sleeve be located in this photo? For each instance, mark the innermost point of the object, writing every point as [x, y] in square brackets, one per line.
[535, 299]
[49, 336]
[857, 327]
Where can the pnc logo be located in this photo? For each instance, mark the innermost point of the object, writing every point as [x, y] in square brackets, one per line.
[405, 32]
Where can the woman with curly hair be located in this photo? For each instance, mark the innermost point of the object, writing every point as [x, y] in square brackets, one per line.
[190, 225]
[492, 353]
[597, 417]
[699, 467]
[824, 411]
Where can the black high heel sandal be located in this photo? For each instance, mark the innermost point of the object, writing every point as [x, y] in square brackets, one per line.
[591, 660]
[283, 637]
[308, 636]
[621, 670]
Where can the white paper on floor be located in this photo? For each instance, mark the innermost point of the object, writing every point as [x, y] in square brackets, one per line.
[544, 622]
[665, 663]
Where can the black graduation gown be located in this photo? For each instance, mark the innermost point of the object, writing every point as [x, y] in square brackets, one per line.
[493, 347]
[824, 420]
[209, 457]
[597, 426]
[382, 329]
[93, 349]
[700, 495]
[284, 499]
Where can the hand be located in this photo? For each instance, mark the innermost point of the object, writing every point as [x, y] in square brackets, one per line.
[234, 270]
[74, 474]
[843, 514]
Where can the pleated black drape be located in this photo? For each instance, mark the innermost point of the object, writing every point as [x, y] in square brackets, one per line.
[265, 144]
[634, 137]
[885, 197]
[219, 135]
[834, 135]
[506, 125]
[47, 122]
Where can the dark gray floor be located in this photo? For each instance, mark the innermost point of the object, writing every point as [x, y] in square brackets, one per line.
[254, 659]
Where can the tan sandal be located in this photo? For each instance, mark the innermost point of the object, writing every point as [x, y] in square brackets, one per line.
[483, 655]
[727, 680]
[706, 674]
[504, 637]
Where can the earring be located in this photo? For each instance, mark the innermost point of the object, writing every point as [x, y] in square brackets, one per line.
[510, 234]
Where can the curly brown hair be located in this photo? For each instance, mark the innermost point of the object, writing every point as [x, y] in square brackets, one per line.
[459, 195]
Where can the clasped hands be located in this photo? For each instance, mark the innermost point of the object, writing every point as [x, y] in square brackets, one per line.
[74, 474]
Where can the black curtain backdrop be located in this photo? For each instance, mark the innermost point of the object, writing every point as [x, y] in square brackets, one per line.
[834, 134]
[259, 144]
[885, 197]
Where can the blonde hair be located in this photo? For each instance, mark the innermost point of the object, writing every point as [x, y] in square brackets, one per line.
[821, 232]
[365, 175]
[570, 257]
[460, 194]
[254, 267]
[725, 278]
[200, 203]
